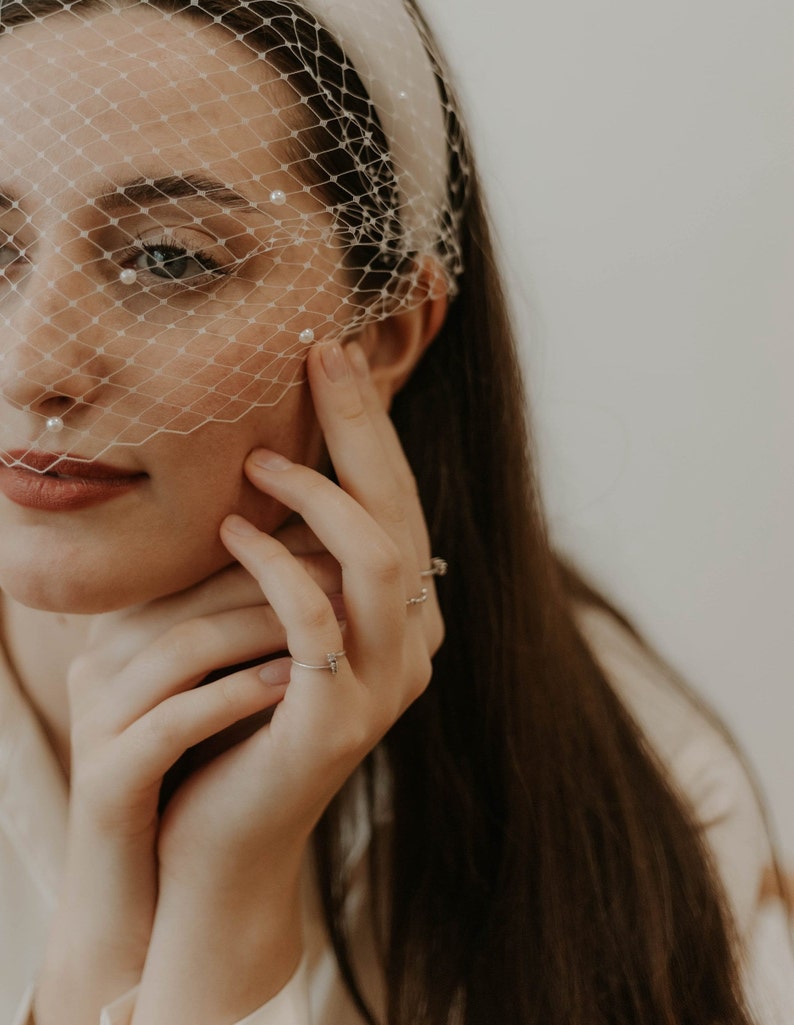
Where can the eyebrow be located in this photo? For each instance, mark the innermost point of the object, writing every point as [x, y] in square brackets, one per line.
[143, 192]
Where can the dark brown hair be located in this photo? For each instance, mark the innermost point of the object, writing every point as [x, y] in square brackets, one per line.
[539, 867]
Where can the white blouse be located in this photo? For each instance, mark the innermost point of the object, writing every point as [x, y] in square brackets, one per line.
[33, 810]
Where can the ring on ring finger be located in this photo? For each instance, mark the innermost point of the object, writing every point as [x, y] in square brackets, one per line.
[331, 662]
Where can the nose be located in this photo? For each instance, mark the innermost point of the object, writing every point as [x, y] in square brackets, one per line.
[51, 341]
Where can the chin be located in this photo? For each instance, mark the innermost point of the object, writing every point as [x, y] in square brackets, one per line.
[82, 586]
[51, 592]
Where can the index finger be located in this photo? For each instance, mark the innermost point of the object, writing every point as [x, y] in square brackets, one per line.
[362, 466]
[393, 450]
[374, 448]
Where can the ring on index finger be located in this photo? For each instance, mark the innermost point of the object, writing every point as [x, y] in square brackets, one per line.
[331, 662]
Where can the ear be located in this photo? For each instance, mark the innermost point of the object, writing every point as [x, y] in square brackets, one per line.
[395, 345]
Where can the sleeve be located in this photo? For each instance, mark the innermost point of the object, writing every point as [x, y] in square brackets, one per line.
[698, 760]
[24, 1015]
[290, 1006]
[727, 809]
[725, 806]
[117, 1013]
[769, 974]
[710, 776]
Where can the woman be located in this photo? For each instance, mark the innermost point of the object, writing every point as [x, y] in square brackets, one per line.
[201, 201]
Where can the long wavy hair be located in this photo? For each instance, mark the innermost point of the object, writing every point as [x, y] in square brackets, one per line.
[538, 868]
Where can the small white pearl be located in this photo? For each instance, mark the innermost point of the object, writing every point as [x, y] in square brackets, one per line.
[128, 276]
[54, 424]
[278, 197]
[402, 95]
[307, 336]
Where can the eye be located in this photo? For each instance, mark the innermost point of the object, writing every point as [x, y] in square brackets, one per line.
[174, 263]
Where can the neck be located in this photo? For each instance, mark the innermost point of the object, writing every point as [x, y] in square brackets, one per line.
[40, 647]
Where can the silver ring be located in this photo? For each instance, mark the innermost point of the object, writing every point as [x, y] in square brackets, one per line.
[331, 662]
[438, 568]
[420, 599]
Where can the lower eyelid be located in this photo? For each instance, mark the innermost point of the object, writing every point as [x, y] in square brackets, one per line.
[211, 266]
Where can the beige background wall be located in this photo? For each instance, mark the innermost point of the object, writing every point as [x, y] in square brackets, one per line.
[639, 162]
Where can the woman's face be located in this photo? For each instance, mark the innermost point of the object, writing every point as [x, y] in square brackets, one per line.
[130, 144]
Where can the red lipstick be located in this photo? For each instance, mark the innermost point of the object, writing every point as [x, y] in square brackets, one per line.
[50, 482]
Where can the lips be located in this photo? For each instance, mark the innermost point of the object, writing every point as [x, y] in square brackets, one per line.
[50, 482]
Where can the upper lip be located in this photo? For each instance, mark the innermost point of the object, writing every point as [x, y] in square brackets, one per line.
[44, 462]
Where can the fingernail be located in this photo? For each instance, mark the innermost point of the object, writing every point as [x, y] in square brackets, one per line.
[237, 525]
[358, 360]
[276, 673]
[268, 460]
[334, 363]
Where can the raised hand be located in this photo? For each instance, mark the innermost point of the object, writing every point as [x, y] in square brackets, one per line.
[134, 711]
[232, 840]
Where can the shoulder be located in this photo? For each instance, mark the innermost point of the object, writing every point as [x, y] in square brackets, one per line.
[695, 751]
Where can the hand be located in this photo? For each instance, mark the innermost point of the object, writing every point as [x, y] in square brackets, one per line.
[233, 838]
[133, 715]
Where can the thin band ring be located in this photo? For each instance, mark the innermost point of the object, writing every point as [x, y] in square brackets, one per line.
[331, 662]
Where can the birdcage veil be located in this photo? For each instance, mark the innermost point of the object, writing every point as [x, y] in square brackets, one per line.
[195, 192]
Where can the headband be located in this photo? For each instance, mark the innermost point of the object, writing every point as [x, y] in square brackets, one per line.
[387, 51]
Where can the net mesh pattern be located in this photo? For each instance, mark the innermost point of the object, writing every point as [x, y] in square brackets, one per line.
[192, 194]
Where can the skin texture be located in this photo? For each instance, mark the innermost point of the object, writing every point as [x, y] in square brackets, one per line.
[185, 575]
[68, 325]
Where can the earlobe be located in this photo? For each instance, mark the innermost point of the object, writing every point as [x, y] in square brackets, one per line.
[396, 344]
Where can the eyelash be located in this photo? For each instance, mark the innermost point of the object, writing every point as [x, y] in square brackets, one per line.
[173, 252]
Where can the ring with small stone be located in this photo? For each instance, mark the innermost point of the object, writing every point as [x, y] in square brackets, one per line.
[438, 568]
[331, 662]
[420, 598]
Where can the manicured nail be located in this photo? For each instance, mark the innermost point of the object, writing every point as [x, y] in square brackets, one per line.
[334, 363]
[358, 360]
[237, 525]
[276, 673]
[268, 460]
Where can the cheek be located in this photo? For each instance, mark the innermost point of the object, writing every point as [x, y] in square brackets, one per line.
[210, 480]
[197, 373]
[296, 435]
[165, 538]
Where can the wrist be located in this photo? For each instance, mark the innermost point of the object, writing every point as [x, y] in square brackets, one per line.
[102, 925]
[215, 957]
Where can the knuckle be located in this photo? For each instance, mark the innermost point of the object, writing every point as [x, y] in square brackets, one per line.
[229, 691]
[316, 488]
[393, 512]
[271, 558]
[160, 729]
[315, 612]
[386, 563]
[179, 642]
[353, 413]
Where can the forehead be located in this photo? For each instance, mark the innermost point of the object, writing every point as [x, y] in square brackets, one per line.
[83, 99]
